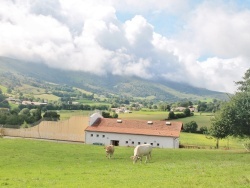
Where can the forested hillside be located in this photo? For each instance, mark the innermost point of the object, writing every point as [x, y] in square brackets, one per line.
[15, 73]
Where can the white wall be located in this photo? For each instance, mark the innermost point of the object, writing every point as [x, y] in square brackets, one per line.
[105, 138]
[94, 117]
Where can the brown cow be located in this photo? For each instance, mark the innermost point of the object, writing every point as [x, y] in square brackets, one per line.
[109, 150]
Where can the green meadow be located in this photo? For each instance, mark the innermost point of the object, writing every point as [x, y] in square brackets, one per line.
[4, 89]
[36, 163]
[204, 141]
[66, 114]
[202, 119]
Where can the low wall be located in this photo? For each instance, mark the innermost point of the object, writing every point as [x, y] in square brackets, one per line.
[72, 129]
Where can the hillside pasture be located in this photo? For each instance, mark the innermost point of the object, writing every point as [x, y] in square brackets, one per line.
[32, 163]
[66, 114]
[46, 96]
[91, 102]
[202, 119]
[203, 141]
[4, 89]
[144, 115]
[28, 89]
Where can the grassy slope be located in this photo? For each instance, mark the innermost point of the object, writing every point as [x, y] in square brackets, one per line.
[4, 89]
[109, 84]
[208, 142]
[201, 119]
[29, 163]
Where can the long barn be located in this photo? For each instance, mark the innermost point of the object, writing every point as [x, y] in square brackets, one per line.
[121, 132]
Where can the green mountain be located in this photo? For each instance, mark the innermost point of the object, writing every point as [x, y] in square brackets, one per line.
[14, 73]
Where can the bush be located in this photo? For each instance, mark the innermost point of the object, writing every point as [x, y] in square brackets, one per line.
[180, 115]
[106, 115]
[171, 115]
[190, 127]
[51, 116]
[187, 112]
[203, 130]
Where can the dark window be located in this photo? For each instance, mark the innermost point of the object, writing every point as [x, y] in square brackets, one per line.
[158, 144]
[97, 135]
[103, 136]
[151, 144]
[145, 142]
[91, 135]
[126, 142]
[139, 143]
[132, 142]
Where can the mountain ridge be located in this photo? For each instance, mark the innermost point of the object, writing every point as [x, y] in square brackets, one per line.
[111, 85]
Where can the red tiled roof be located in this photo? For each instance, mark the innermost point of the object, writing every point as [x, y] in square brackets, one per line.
[141, 127]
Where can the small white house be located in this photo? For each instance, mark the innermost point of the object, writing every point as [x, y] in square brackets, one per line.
[121, 132]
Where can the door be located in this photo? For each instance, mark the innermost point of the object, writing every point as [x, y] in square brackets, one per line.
[114, 142]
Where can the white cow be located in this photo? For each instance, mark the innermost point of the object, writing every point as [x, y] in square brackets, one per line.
[109, 150]
[140, 151]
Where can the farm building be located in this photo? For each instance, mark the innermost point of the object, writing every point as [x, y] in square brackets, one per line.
[119, 132]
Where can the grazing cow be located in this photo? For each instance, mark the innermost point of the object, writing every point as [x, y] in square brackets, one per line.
[140, 151]
[109, 150]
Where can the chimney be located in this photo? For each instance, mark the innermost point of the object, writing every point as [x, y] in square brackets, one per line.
[168, 123]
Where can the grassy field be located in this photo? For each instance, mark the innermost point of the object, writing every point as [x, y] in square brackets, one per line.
[49, 97]
[31, 163]
[4, 89]
[144, 115]
[204, 141]
[66, 114]
[202, 119]
[91, 102]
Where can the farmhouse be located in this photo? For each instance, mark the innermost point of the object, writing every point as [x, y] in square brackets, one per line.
[119, 132]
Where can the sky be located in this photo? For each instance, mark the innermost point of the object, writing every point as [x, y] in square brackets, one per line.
[205, 43]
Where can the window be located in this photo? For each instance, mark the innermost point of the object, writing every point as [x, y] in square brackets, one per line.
[151, 144]
[145, 142]
[103, 136]
[132, 142]
[139, 143]
[126, 142]
[158, 144]
[97, 135]
[91, 135]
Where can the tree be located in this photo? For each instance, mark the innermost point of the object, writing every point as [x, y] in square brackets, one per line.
[24, 111]
[190, 127]
[115, 115]
[244, 85]
[171, 115]
[202, 106]
[106, 114]
[203, 130]
[187, 112]
[220, 128]
[36, 114]
[233, 117]
[51, 116]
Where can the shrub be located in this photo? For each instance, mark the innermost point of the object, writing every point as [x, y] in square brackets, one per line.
[51, 116]
[187, 112]
[180, 115]
[203, 130]
[190, 127]
[106, 115]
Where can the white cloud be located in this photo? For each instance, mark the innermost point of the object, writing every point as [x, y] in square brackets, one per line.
[86, 35]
